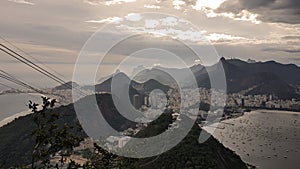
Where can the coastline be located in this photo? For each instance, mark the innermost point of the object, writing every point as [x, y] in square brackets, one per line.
[250, 138]
[9, 119]
[18, 113]
[275, 111]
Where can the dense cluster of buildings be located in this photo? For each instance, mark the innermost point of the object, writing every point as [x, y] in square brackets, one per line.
[262, 101]
[187, 101]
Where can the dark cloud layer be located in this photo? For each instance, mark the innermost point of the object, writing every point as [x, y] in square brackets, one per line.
[291, 37]
[284, 11]
[282, 50]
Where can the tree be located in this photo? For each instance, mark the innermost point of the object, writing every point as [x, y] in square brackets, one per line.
[51, 137]
[102, 159]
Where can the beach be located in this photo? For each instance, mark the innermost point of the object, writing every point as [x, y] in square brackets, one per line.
[15, 105]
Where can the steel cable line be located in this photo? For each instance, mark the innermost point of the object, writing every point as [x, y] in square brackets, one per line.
[37, 68]
[20, 83]
[31, 56]
[2, 84]
[24, 82]
[13, 79]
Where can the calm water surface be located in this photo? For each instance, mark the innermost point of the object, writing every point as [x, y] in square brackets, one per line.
[10, 104]
[266, 139]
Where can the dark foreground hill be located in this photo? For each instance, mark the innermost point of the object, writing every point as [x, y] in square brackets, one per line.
[189, 153]
[16, 143]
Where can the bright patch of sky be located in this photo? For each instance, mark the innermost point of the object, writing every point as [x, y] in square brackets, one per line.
[244, 15]
[133, 17]
[106, 20]
[152, 6]
[22, 2]
[263, 33]
[107, 2]
[212, 4]
[178, 3]
[217, 37]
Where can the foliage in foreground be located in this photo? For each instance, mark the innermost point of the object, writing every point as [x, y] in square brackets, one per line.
[188, 154]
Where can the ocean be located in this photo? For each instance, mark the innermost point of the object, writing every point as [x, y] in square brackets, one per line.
[266, 139]
[13, 105]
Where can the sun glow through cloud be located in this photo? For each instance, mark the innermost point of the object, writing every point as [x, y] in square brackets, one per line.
[212, 4]
[106, 20]
[22, 2]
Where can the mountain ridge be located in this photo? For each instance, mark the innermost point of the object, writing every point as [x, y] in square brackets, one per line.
[240, 75]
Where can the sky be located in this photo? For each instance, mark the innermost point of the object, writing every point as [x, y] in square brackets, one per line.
[58, 32]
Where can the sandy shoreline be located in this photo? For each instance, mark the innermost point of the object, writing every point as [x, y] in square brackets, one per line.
[275, 111]
[13, 117]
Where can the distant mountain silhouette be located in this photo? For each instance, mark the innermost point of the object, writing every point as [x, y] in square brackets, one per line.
[168, 76]
[123, 89]
[264, 77]
[120, 81]
[66, 86]
[160, 74]
[273, 85]
[268, 77]
[150, 85]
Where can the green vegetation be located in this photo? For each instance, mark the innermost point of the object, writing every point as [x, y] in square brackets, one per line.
[38, 136]
[51, 138]
[189, 153]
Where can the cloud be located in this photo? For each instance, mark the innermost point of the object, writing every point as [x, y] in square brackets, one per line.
[185, 35]
[223, 37]
[197, 61]
[178, 3]
[287, 50]
[69, 24]
[107, 2]
[151, 23]
[106, 20]
[283, 11]
[291, 37]
[129, 17]
[22, 2]
[133, 17]
[243, 15]
[200, 4]
[169, 21]
[152, 6]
